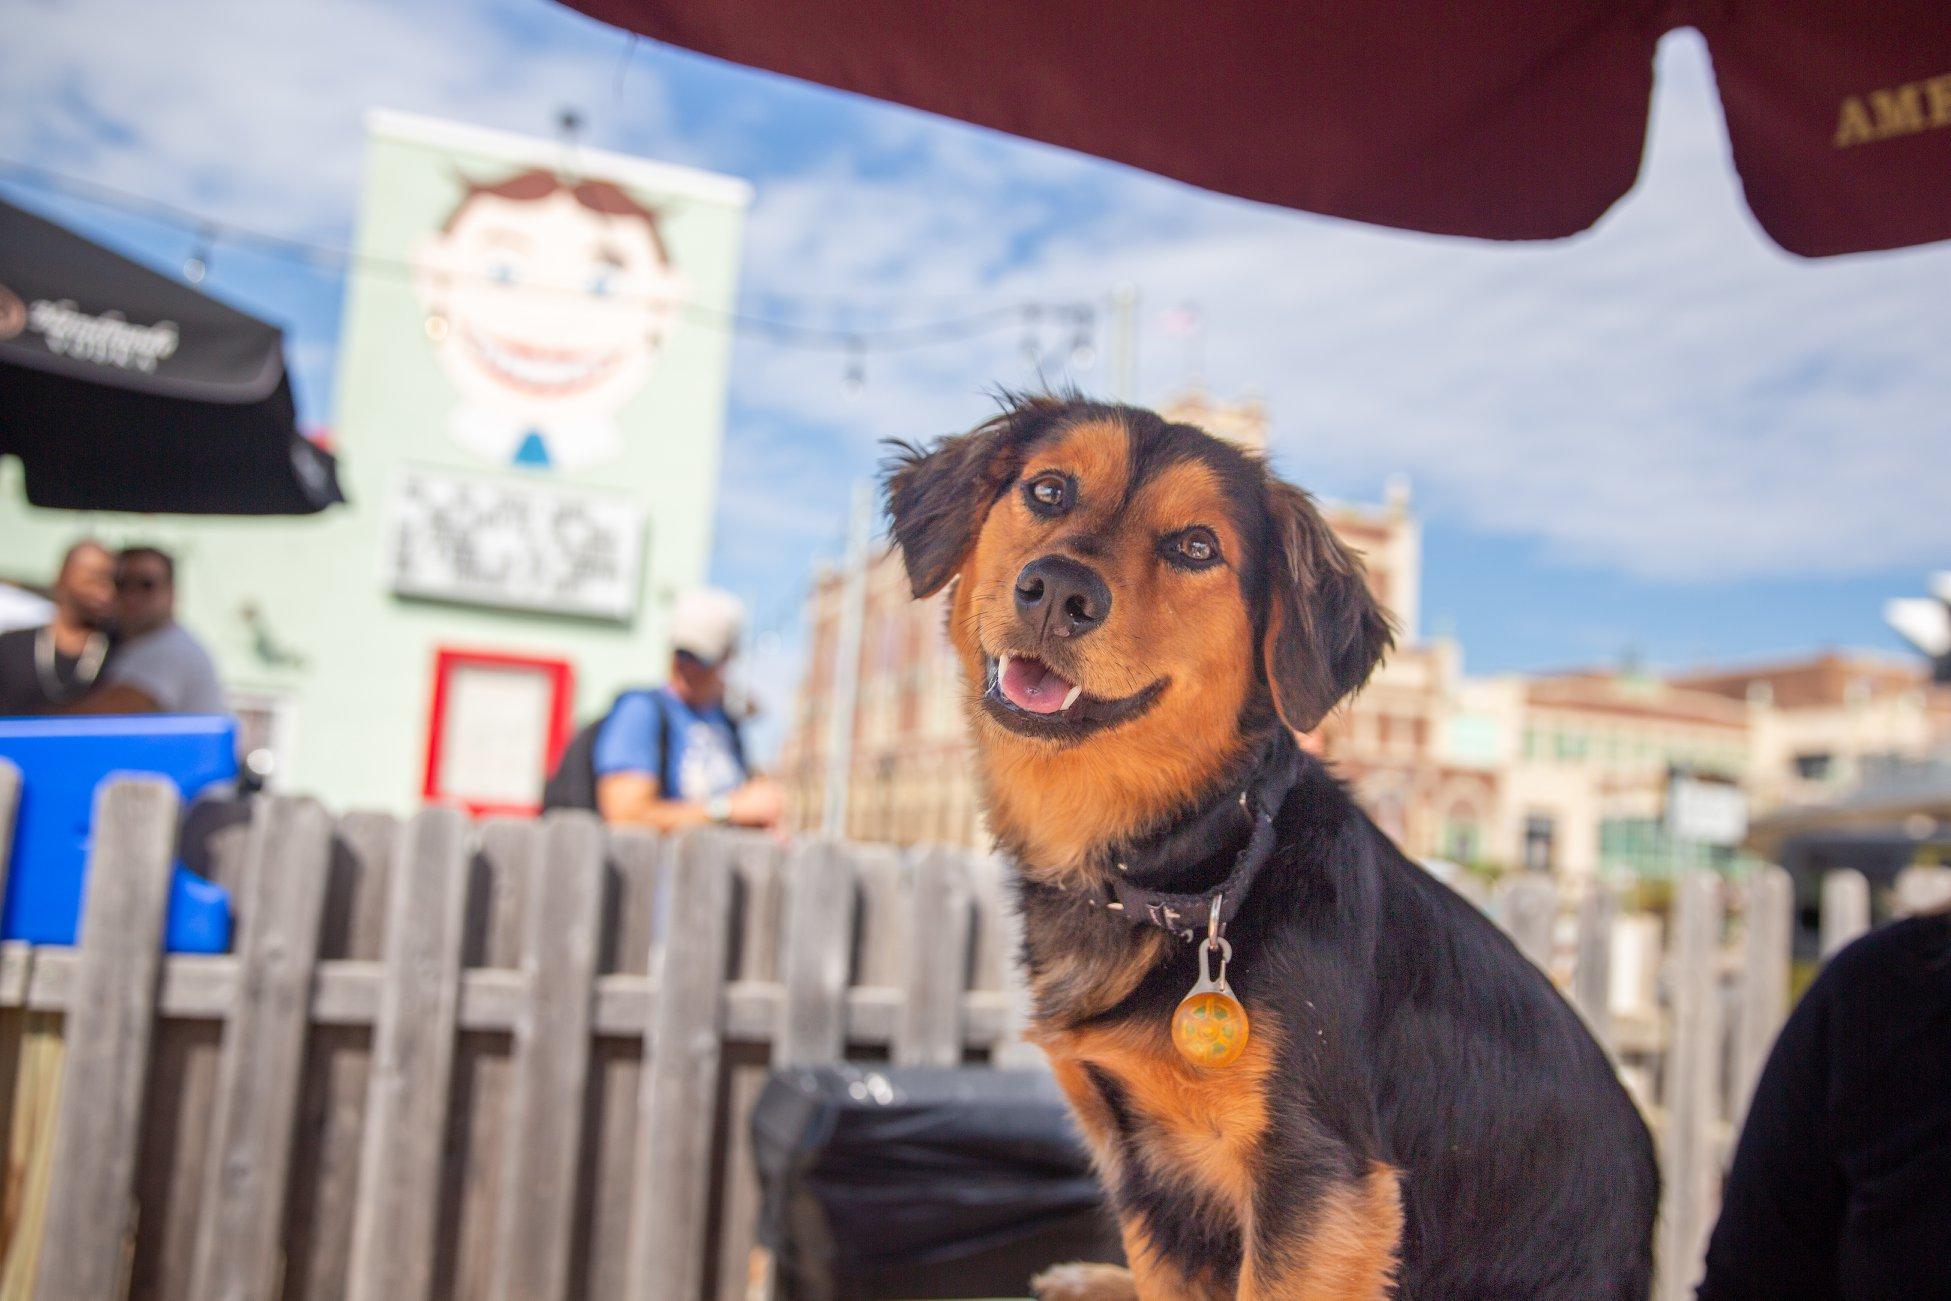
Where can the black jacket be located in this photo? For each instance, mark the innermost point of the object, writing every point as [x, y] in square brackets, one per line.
[1841, 1184]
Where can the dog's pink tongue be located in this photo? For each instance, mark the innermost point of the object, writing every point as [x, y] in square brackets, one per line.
[1029, 684]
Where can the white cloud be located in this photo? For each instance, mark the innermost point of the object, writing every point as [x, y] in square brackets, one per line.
[1667, 396]
[252, 112]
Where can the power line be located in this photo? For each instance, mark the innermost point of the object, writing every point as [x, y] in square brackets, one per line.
[1079, 317]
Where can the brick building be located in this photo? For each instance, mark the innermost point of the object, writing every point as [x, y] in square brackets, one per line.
[911, 780]
[1829, 722]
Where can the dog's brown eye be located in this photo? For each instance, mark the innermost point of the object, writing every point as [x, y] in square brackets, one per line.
[1193, 548]
[1048, 494]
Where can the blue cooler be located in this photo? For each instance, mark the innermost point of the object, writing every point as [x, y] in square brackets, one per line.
[62, 761]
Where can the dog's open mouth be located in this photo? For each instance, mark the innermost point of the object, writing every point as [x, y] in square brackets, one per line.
[1034, 686]
[1028, 696]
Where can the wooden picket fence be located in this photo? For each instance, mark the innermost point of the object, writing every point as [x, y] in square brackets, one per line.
[516, 1059]
[1690, 1018]
[504, 1060]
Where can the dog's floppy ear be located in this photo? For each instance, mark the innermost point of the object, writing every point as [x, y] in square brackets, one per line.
[1325, 630]
[937, 496]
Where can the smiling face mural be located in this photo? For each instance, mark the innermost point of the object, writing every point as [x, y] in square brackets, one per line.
[547, 300]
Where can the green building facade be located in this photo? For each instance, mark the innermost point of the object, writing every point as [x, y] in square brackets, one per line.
[531, 393]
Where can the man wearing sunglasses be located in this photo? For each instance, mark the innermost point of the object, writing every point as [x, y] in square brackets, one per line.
[158, 666]
[43, 670]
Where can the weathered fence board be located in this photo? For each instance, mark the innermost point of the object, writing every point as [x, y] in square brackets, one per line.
[361, 889]
[325, 1175]
[882, 935]
[413, 1052]
[507, 855]
[107, 1039]
[172, 1158]
[1845, 909]
[1687, 1146]
[30, 1152]
[679, 1086]
[552, 1039]
[758, 863]
[1763, 1001]
[640, 871]
[930, 1030]
[260, 1070]
[819, 943]
[760, 907]
[636, 887]
[1592, 959]
[1922, 888]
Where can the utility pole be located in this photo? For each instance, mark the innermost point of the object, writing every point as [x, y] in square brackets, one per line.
[846, 663]
[1124, 339]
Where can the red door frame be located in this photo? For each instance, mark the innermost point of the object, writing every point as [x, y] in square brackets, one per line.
[562, 681]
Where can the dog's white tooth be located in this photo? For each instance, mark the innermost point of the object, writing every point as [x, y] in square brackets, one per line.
[1002, 663]
[1071, 698]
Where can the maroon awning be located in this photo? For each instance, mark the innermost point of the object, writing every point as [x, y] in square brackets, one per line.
[1505, 119]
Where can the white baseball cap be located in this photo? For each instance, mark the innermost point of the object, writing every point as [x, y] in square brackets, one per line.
[706, 623]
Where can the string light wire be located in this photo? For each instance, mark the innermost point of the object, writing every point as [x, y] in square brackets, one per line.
[326, 258]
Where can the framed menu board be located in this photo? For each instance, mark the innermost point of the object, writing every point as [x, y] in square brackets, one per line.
[496, 725]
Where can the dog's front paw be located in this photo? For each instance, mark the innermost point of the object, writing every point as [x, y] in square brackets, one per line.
[1084, 1282]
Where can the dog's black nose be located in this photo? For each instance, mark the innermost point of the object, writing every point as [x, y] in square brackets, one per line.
[1061, 596]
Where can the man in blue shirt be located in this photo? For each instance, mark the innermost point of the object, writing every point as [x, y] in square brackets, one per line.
[671, 758]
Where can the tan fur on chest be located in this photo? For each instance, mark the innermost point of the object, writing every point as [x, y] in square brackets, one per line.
[1189, 1125]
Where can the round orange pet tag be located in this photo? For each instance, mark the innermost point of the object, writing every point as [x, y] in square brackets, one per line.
[1210, 1029]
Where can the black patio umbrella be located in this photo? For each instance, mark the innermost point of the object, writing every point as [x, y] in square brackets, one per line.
[124, 389]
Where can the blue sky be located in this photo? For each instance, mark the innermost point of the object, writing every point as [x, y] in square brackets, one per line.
[1665, 437]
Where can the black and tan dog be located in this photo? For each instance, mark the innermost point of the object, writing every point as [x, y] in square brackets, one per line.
[1146, 617]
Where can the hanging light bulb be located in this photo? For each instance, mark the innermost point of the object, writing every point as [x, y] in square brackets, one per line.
[1032, 345]
[1083, 352]
[197, 265]
[569, 136]
[855, 378]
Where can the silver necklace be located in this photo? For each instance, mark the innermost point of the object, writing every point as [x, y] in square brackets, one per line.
[88, 665]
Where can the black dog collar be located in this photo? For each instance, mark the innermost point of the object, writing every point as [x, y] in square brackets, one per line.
[1188, 915]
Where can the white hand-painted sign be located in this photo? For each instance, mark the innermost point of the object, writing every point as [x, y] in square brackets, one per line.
[527, 545]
